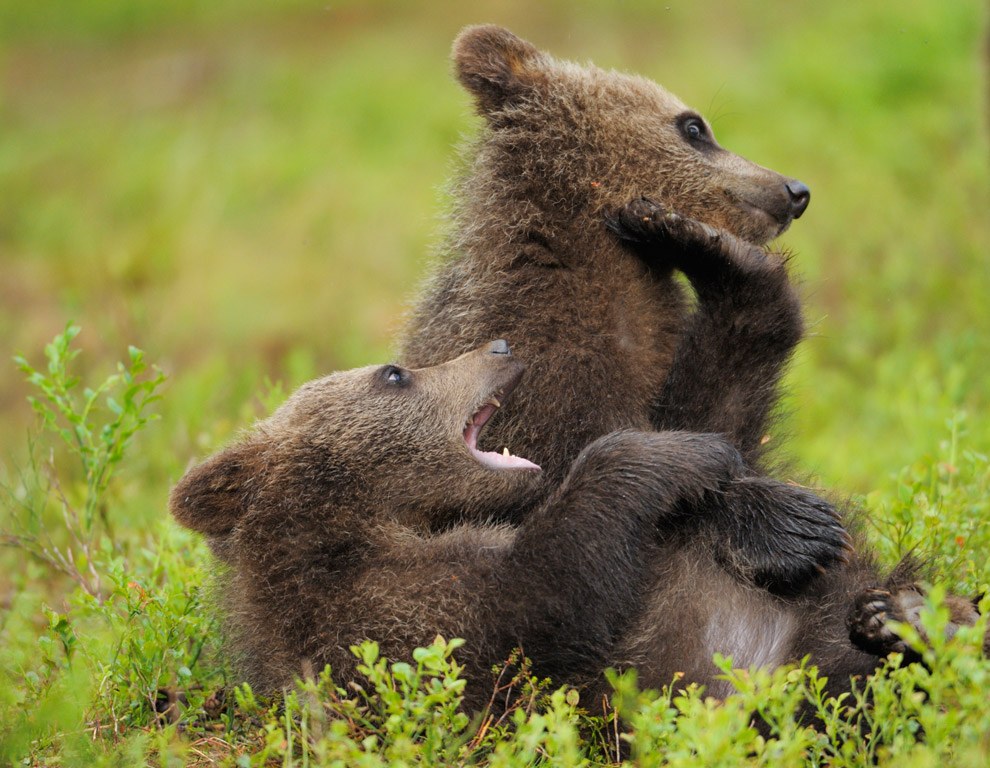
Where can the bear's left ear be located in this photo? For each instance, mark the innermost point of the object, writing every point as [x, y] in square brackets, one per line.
[212, 497]
[495, 65]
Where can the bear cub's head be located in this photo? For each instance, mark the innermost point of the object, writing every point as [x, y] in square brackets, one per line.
[581, 140]
[379, 443]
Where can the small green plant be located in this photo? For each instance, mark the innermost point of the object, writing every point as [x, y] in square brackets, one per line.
[123, 648]
[939, 509]
[95, 425]
[406, 714]
[99, 443]
[410, 714]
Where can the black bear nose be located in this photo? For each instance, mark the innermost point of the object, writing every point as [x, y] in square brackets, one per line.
[500, 347]
[800, 197]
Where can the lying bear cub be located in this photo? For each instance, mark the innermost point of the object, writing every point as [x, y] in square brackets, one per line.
[361, 508]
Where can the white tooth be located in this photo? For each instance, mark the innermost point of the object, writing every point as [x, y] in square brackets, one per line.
[505, 451]
[496, 403]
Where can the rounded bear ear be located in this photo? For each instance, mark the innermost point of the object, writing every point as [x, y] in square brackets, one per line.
[495, 65]
[212, 497]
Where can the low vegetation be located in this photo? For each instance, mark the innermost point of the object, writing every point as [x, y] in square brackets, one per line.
[248, 192]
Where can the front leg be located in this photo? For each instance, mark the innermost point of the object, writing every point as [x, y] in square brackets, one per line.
[776, 535]
[577, 570]
[772, 534]
[728, 363]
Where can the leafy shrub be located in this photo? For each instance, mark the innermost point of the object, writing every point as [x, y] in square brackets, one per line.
[131, 630]
[124, 667]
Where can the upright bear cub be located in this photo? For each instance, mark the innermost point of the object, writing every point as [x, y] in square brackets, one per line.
[596, 313]
[605, 326]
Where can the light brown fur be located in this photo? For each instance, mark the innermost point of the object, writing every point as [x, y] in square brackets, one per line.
[529, 258]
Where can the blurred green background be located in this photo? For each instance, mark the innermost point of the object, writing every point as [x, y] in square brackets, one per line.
[249, 191]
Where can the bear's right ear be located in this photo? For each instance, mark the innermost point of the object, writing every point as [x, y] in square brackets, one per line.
[495, 65]
[212, 497]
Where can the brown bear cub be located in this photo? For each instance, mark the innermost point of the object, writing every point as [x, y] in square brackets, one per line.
[584, 193]
[599, 318]
[602, 325]
[325, 515]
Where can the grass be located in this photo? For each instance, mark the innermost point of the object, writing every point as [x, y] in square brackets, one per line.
[249, 192]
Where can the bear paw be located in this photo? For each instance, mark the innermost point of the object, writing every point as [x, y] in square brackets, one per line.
[710, 257]
[783, 535]
[873, 609]
[645, 221]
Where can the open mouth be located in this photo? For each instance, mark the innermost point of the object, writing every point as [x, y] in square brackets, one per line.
[493, 459]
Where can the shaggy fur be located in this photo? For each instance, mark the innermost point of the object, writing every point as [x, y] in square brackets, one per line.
[324, 515]
[530, 260]
[584, 194]
[841, 620]
[605, 331]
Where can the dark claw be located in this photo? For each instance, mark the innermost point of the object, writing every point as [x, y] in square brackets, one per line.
[636, 221]
[868, 624]
[642, 221]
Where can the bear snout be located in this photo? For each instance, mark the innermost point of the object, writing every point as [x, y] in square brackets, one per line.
[799, 195]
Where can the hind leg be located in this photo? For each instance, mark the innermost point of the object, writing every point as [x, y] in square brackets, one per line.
[874, 609]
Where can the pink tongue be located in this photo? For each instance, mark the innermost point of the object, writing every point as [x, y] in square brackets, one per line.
[501, 461]
[492, 459]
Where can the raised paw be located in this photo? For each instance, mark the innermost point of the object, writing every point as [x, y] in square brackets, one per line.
[783, 535]
[639, 221]
[646, 221]
[708, 256]
[873, 609]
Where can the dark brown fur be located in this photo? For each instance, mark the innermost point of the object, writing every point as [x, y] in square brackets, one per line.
[611, 343]
[841, 620]
[603, 325]
[324, 517]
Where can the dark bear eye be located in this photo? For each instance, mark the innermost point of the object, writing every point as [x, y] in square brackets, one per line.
[693, 128]
[393, 375]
